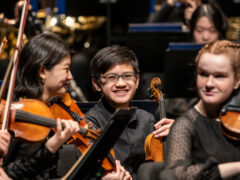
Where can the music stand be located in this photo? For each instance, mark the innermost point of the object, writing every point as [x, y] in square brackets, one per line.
[150, 41]
[87, 165]
[179, 69]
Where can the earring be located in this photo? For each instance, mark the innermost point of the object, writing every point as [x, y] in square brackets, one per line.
[43, 81]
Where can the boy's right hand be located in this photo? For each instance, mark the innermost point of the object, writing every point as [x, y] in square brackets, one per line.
[119, 174]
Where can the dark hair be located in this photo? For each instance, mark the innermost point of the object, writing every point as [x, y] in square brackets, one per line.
[42, 50]
[110, 56]
[214, 13]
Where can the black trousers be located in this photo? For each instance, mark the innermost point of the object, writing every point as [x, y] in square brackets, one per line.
[154, 171]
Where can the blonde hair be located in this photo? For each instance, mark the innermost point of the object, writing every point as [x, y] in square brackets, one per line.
[223, 47]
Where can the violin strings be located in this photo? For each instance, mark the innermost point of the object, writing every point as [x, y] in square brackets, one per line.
[27, 117]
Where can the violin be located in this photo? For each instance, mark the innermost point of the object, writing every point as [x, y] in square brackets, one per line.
[66, 108]
[62, 108]
[30, 120]
[153, 146]
[230, 117]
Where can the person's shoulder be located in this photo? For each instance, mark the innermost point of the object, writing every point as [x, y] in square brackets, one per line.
[93, 112]
[143, 111]
[143, 114]
[98, 115]
[189, 115]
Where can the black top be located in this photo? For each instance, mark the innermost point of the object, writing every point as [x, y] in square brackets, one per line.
[196, 146]
[28, 161]
[129, 148]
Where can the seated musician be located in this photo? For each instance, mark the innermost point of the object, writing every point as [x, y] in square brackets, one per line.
[115, 73]
[44, 72]
[28, 160]
[4, 144]
[208, 24]
[197, 147]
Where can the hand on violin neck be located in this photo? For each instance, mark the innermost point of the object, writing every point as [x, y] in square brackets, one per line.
[162, 127]
[62, 134]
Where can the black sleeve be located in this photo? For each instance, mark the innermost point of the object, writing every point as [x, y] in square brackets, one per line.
[30, 167]
[179, 157]
[93, 116]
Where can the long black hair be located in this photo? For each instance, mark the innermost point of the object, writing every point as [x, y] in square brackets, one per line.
[214, 13]
[44, 50]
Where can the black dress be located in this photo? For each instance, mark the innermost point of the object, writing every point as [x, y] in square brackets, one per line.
[196, 146]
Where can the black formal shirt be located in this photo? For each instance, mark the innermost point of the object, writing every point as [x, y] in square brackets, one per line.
[129, 148]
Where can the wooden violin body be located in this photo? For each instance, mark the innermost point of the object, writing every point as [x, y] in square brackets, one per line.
[153, 146]
[29, 119]
[81, 142]
[59, 112]
[230, 117]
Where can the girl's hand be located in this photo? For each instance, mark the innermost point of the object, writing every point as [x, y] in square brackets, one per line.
[62, 135]
[4, 142]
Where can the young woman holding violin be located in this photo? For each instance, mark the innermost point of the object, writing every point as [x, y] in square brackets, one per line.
[44, 72]
[42, 53]
[197, 147]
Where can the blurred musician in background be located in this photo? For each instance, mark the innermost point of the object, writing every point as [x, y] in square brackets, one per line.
[176, 11]
[208, 24]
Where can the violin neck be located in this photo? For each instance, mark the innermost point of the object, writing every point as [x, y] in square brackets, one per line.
[23, 116]
[26, 117]
[161, 107]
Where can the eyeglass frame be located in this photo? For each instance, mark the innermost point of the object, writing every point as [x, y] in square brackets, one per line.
[118, 76]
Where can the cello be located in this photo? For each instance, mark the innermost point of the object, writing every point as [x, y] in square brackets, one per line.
[153, 146]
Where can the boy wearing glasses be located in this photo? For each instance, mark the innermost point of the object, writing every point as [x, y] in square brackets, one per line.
[115, 73]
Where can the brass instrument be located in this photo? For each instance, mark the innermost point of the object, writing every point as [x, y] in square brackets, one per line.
[73, 29]
[233, 33]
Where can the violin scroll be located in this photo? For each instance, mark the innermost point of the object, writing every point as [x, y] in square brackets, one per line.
[153, 146]
[155, 88]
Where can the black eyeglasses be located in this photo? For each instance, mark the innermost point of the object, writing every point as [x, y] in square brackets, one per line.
[112, 77]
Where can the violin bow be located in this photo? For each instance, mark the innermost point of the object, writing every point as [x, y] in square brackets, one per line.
[3, 45]
[14, 64]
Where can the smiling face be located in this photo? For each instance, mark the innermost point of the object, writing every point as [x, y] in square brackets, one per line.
[57, 79]
[205, 31]
[119, 93]
[215, 78]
